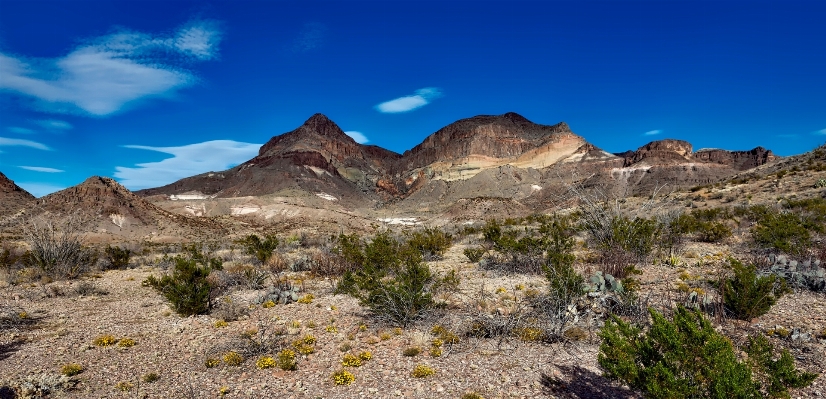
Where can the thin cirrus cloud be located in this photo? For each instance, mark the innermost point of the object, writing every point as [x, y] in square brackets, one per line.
[7, 142]
[821, 131]
[41, 169]
[359, 137]
[186, 161]
[104, 75]
[652, 132]
[409, 103]
[19, 130]
[54, 124]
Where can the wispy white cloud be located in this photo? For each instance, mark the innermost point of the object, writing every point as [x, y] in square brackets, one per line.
[419, 99]
[311, 37]
[54, 124]
[41, 169]
[652, 132]
[187, 160]
[359, 137]
[40, 189]
[821, 131]
[19, 130]
[102, 76]
[22, 143]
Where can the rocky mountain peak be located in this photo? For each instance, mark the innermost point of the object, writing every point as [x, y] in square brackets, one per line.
[12, 197]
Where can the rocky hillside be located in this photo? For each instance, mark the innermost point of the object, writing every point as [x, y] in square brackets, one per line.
[114, 211]
[12, 197]
[316, 158]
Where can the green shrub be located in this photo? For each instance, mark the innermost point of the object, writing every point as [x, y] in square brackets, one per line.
[474, 254]
[564, 282]
[746, 295]
[712, 231]
[782, 231]
[187, 288]
[687, 358]
[392, 281]
[260, 249]
[431, 242]
[117, 257]
[776, 376]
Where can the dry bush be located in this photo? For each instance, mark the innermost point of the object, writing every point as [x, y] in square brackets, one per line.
[55, 247]
[276, 264]
[229, 310]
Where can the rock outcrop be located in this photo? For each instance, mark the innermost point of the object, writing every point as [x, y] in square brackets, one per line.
[12, 197]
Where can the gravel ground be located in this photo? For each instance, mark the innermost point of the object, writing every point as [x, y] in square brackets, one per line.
[63, 328]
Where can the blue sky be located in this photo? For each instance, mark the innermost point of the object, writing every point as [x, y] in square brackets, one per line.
[152, 91]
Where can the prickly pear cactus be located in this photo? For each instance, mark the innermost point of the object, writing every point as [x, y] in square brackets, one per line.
[283, 293]
[602, 284]
[808, 274]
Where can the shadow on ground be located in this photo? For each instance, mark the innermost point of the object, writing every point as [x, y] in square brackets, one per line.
[8, 348]
[581, 383]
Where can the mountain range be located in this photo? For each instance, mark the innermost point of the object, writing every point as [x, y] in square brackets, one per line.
[503, 162]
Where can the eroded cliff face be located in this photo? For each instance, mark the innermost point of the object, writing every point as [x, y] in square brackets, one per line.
[740, 160]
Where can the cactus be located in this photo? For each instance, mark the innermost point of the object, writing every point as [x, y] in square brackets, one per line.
[699, 301]
[600, 284]
[820, 183]
[284, 293]
[807, 274]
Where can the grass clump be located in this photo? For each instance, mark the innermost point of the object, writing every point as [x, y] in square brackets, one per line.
[286, 360]
[365, 355]
[350, 360]
[474, 254]
[124, 386]
[411, 351]
[126, 342]
[150, 378]
[472, 395]
[343, 377]
[746, 295]
[220, 324]
[686, 358]
[212, 362]
[306, 299]
[105, 340]
[423, 371]
[71, 369]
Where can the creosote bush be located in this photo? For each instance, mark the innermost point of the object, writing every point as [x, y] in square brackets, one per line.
[393, 281]
[188, 288]
[686, 358]
[117, 257]
[746, 295]
[260, 249]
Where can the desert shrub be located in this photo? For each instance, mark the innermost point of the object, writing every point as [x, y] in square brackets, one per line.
[784, 231]
[351, 360]
[265, 362]
[423, 371]
[187, 288]
[150, 378]
[411, 351]
[564, 282]
[286, 360]
[431, 242]
[126, 342]
[776, 374]
[812, 212]
[56, 249]
[712, 231]
[71, 369]
[393, 282]
[746, 295]
[686, 358]
[260, 249]
[117, 257]
[474, 254]
[86, 288]
[104, 340]
[248, 276]
[343, 377]
[233, 358]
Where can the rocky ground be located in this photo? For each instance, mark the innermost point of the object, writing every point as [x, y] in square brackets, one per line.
[63, 320]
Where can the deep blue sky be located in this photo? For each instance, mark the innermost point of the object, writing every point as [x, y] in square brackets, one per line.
[152, 91]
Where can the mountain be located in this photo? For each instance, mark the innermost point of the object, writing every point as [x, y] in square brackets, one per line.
[113, 210]
[316, 158]
[12, 197]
